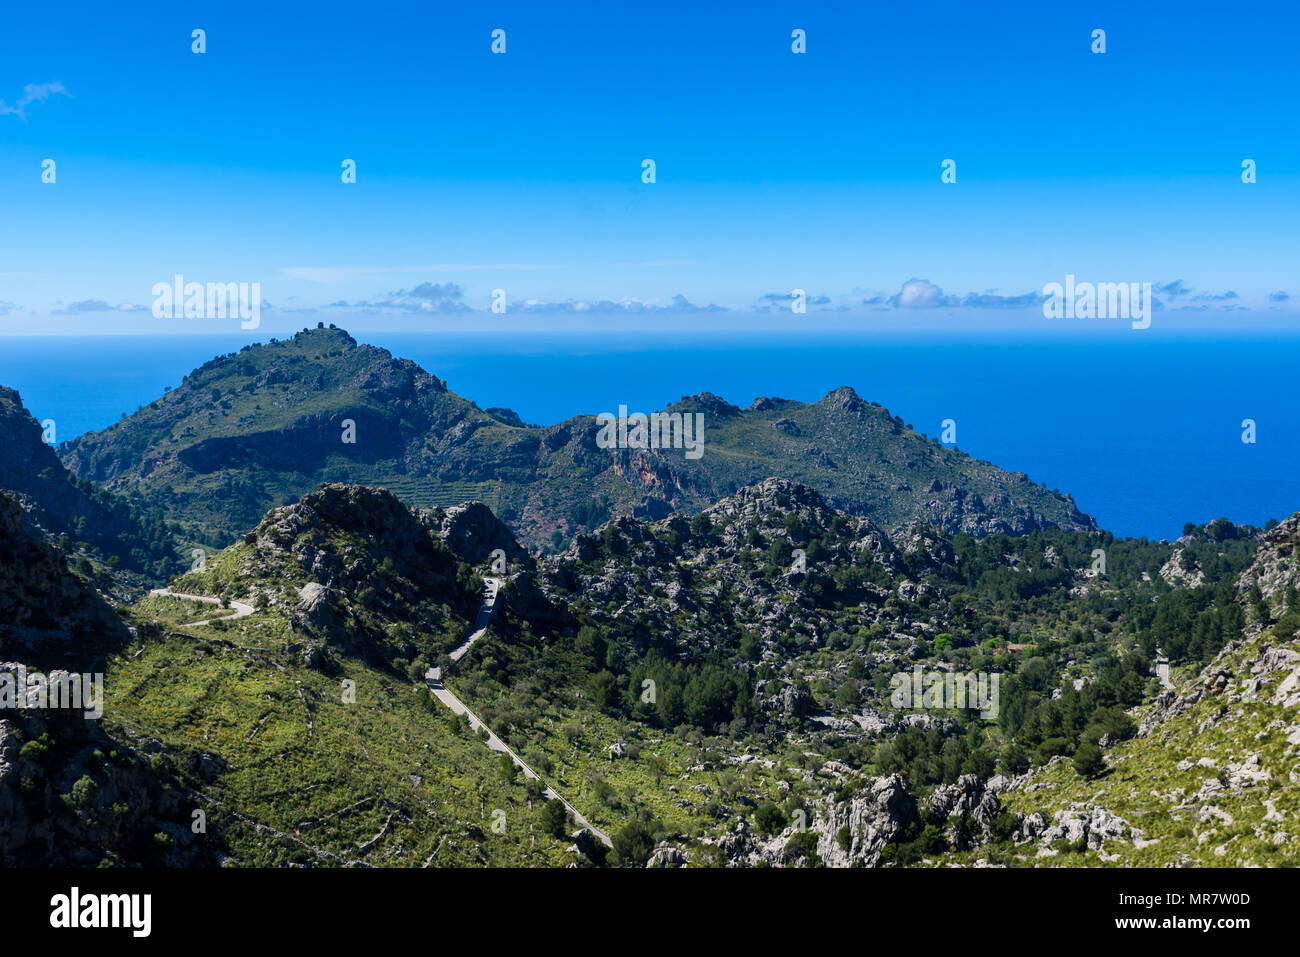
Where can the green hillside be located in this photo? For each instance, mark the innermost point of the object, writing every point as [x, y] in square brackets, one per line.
[249, 431]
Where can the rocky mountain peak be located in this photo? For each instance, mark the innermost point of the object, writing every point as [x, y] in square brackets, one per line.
[325, 336]
[473, 532]
[707, 403]
[350, 508]
[770, 495]
[844, 399]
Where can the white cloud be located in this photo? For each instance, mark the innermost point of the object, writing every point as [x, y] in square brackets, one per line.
[919, 294]
[32, 93]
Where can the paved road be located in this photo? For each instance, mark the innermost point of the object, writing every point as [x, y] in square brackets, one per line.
[242, 609]
[433, 678]
[485, 612]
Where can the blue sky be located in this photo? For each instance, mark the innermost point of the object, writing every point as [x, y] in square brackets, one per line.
[522, 171]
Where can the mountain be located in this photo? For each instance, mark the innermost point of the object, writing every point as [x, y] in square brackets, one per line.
[253, 430]
[71, 795]
[62, 505]
[722, 690]
[355, 570]
[716, 690]
[1210, 779]
[305, 726]
[44, 608]
[707, 666]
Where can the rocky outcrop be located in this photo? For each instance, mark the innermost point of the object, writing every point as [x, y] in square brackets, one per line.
[836, 831]
[967, 809]
[473, 532]
[884, 812]
[72, 797]
[58, 504]
[1276, 567]
[687, 580]
[667, 855]
[1079, 825]
[346, 559]
[1181, 571]
[1245, 665]
[41, 602]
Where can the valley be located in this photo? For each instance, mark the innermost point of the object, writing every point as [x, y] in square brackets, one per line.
[657, 662]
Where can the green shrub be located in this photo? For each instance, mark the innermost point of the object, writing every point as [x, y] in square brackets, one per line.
[85, 792]
[1088, 760]
[769, 818]
[555, 818]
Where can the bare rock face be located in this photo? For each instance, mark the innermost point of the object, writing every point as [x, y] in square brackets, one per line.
[848, 833]
[315, 615]
[473, 532]
[855, 830]
[667, 855]
[795, 699]
[967, 808]
[314, 604]
[584, 843]
[14, 825]
[1079, 824]
[1178, 575]
[922, 540]
[1275, 567]
[884, 813]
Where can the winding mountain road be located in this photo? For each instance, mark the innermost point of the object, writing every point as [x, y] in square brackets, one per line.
[433, 678]
[242, 609]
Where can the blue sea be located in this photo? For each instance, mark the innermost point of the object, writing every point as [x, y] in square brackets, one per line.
[1144, 431]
